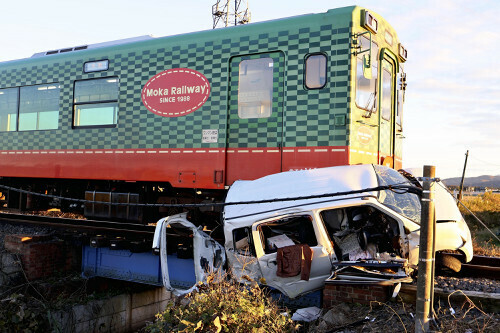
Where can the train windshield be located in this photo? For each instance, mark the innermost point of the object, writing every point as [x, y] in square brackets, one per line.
[366, 88]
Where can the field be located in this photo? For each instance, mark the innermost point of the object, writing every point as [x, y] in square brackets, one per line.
[487, 208]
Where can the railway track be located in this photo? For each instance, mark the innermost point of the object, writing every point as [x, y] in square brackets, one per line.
[93, 226]
[480, 266]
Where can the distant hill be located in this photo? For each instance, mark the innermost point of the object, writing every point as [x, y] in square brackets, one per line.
[481, 181]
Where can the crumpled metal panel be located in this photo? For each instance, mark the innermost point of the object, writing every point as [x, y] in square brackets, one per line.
[209, 256]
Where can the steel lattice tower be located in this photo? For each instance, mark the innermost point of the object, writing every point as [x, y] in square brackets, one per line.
[227, 13]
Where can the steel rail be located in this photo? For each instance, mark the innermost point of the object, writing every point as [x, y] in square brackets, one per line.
[479, 266]
[109, 227]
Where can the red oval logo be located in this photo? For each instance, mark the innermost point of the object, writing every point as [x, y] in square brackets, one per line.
[175, 92]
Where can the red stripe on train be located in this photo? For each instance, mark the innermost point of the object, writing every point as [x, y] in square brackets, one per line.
[188, 167]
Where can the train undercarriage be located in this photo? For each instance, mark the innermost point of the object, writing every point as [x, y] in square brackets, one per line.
[127, 202]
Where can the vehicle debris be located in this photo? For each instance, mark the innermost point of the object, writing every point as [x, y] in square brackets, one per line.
[307, 314]
[177, 234]
[369, 233]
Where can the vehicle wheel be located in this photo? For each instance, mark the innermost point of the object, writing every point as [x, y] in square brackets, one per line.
[446, 262]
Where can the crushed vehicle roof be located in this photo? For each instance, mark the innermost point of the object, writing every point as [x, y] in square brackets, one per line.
[299, 183]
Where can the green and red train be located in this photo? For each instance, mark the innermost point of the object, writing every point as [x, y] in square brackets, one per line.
[201, 110]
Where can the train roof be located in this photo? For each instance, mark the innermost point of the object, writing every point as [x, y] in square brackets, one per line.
[342, 14]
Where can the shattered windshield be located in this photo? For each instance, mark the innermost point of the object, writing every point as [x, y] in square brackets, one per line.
[406, 204]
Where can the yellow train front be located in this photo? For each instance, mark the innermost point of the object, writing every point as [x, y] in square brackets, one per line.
[158, 119]
[377, 97]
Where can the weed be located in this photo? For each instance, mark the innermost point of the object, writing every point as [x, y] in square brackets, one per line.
[223, 305]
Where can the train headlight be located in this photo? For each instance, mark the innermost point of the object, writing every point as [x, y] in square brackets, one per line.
[369, 21]
[403, 53]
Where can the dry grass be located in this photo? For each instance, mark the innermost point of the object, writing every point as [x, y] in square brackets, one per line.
[488, 248]
[487, 208]
[398, 316]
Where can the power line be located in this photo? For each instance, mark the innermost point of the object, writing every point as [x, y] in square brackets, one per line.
[479, 160]
[404, 187]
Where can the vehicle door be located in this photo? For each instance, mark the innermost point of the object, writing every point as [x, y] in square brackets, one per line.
[298, 230]
[207, 254]
[387, 88]
[255, 116]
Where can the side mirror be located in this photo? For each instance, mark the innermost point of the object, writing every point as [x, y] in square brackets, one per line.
[367, 66]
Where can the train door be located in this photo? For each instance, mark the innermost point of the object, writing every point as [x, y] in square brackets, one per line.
[255, 116]
[386, 114]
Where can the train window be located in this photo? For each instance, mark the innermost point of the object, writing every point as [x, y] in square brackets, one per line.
[8, 109]
[366, 89]
[39, 107]
[315, 71]
[399, 108]
[386, 93]
[255, 88]
[96, 66]
[96, 102]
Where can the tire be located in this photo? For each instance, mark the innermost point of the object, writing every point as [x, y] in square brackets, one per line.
[447, 262]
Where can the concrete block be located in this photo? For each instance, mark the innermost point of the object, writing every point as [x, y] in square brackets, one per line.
[113, 323]
[143, 314]
[115, 314]
[116, 322]
[150, 296]
[163, 305]
[144, 298]
[115, 304]
[87, 312]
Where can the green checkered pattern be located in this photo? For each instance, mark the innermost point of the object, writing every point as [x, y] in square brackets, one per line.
[310, 113]
[308, 116]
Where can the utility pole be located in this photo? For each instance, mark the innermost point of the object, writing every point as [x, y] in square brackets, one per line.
[425, 283]
[463, 177]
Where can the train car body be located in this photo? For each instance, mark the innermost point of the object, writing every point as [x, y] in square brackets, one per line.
[201, 110]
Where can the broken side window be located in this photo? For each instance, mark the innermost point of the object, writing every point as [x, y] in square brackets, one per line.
[292, 230]
[242, 238]
[363, 232]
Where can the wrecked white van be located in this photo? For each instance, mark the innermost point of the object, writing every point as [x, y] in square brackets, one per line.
[368, 236]
[365, 234]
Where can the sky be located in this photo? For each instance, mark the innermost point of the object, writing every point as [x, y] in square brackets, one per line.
[453, 94]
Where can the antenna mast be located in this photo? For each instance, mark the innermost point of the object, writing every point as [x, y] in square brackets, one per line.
[226, 13]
